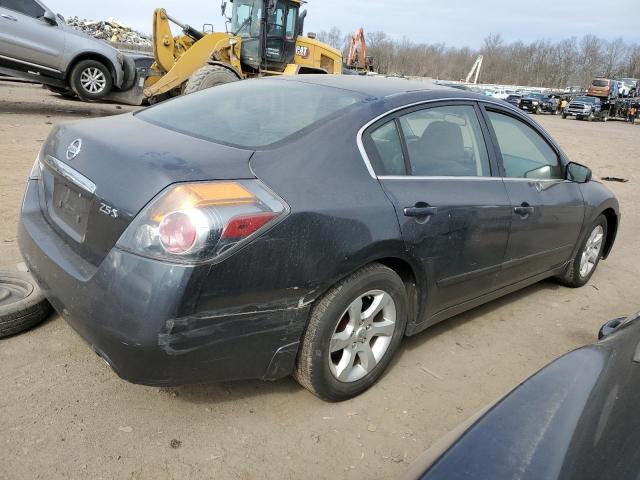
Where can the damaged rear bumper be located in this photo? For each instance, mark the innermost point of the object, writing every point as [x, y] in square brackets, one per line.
[140, 315]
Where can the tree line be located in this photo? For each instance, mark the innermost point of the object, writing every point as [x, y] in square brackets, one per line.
[569, 62]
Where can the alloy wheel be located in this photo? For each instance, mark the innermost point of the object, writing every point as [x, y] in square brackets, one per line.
[93, 80]
[591, 251]
[362, 336]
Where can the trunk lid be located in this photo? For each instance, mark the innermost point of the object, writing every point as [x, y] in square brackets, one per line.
[123, 162]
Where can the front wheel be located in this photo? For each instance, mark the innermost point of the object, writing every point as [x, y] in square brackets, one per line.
[354, 330]
[209, 76]
[91, 80]
[584, 264]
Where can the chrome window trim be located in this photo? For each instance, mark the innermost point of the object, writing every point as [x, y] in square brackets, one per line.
[372, 172]
[425, 177]
[30, 64]
[70, 174]
[360, 143]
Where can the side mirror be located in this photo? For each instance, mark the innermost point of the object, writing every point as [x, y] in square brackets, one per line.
[610, 327]
[578, 173]
[223, 7]
[50, 17]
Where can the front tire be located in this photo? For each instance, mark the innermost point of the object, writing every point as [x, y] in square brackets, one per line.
[353, 333]
[91, 80]
[584, 264]
[209, 76]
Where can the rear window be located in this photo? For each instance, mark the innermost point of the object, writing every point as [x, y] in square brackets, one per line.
[600, 83]
[250, 113]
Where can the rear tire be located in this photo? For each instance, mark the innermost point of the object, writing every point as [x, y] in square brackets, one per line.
[576, 275]
[209, 76]
[91, 80]
[346, 310]
[22, 304]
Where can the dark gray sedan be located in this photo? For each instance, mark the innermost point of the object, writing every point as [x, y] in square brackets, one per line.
[300, 225]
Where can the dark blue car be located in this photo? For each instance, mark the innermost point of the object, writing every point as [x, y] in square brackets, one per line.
[300, 225]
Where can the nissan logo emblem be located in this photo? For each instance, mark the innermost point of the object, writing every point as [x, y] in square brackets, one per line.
[74, 149]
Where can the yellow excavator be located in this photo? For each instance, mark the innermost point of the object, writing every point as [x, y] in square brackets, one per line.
[263, 37]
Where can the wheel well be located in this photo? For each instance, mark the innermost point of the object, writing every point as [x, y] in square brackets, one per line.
[93, 56]
[408, 276]
[612, 230]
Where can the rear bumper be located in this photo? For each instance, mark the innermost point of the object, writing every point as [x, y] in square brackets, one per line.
[140, 314]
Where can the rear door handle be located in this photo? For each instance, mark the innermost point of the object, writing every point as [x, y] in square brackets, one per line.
[420, 210]
[523, 210]
[8, 17]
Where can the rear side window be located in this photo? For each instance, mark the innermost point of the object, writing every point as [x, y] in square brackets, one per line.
[445, 141]
[251, 113]
[525, 153]
[26, 7]
[386, 150]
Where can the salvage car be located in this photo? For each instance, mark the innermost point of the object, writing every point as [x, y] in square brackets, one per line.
[576, 418]
[532, 102]
[300, 225]
[36, 44]
[586, 108]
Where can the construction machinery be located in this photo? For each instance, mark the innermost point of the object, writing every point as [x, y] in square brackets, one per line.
[357, 60]
[477, 67]
[263, 37]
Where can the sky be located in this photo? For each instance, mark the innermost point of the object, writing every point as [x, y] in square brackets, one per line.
[457, 23]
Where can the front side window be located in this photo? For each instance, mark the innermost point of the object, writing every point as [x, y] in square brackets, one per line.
[26, 7]
[525, 153]
[445, 141]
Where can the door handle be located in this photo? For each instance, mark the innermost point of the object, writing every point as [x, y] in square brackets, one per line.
[523, 210]
[420, 210]
[8, 17]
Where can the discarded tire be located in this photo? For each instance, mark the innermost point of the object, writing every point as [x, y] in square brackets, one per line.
[22, 304]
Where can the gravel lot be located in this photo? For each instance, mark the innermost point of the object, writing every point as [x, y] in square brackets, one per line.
[65, 414]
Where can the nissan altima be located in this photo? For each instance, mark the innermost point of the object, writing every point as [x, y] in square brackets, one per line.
[300, 225]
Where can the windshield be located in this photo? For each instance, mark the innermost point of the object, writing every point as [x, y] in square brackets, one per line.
[250, 113]
[536, 96]
[585, 99]
[600, 83]
[245, 20]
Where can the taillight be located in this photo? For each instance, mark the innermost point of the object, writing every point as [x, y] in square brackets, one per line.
[193, 222]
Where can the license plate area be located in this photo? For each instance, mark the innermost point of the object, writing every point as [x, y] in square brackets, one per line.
[69, 208]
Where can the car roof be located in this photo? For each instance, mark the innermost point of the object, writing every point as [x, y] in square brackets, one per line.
[381, 87]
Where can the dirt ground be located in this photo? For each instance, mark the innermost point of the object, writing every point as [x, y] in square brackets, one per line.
[65, 414]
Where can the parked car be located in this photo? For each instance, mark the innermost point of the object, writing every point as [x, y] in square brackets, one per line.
[550, 104]
[36, 44]
[225, 235]
[603, 88]
[575, 418]
[589, 108]
[514, 99]
[532, 102]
